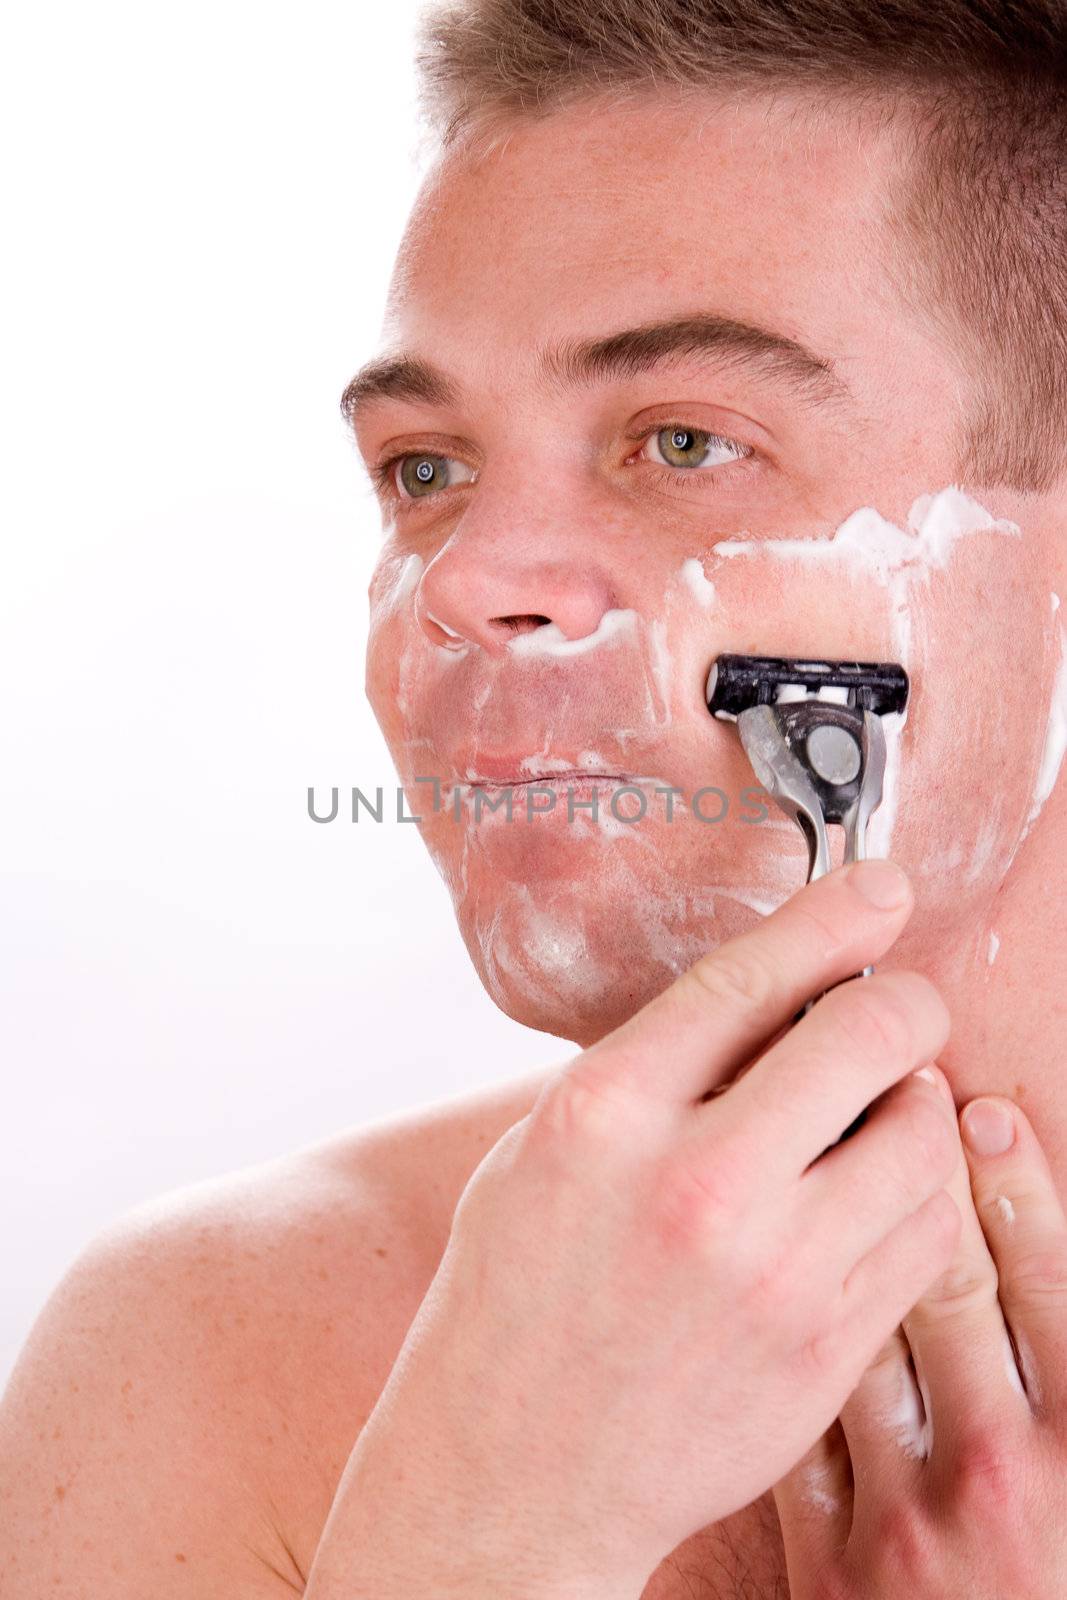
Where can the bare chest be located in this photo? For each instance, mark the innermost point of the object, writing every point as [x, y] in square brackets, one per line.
[339, 1354]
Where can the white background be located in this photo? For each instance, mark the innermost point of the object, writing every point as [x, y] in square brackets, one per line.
[201, 210]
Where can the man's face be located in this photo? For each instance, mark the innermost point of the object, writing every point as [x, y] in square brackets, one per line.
[559, 492]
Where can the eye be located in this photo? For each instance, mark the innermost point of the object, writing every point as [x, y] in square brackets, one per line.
[416, 476]
[680, 446]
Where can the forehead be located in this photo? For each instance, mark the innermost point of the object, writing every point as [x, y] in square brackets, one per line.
[769, 210]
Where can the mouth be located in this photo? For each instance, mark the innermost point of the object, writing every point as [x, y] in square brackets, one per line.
[519, 767]
[555, 779]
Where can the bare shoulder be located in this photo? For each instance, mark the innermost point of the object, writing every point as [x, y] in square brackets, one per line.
[184, 1407]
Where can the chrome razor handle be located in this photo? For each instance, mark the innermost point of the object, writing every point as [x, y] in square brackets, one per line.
[820, 763]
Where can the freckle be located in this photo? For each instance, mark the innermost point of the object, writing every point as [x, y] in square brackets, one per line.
[60, 1491]
[127, 1386]
[179, 1556]
[57, 1433]
[378, 1251]
[323, 1274]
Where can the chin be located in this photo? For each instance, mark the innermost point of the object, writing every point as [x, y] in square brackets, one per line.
[559, 973]
[580, 1019]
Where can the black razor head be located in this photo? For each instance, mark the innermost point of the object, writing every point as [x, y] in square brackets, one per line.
[737, 682]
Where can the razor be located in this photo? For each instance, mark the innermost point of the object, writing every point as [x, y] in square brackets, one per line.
[813, 733]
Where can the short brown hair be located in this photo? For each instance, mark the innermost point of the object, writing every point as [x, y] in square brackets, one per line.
[978, 86]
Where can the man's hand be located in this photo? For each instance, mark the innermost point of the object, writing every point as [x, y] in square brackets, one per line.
[958, 1488]
[651, 1302]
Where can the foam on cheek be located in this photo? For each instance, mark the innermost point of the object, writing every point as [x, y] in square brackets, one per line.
[700, 586]
[1055, 735]
[870, 548]
[396, 579]
[874, 548]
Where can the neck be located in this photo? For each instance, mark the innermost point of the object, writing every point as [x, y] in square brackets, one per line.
[1009, 1015]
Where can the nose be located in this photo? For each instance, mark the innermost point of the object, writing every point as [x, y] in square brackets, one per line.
[486, 591]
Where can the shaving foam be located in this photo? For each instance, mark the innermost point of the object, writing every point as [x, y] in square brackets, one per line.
[550, 640]
[893, 557]
[697, 581]
[868, 545]
[909, 1420]
[1055, 739]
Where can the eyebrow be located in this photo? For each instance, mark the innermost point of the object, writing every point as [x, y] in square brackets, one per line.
[575, 363]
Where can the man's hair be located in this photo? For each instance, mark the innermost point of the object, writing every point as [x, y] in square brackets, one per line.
[978, 87]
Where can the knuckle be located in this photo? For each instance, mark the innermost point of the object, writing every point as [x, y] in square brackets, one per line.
[907, 1546]
[873, 1022]
[774, 1287]
[967, 1285]
[992, 1468]
[820, 1354]
[736, 980]
[1038, 1276]
[582, 1108]
[694, 1201]
[822, 926]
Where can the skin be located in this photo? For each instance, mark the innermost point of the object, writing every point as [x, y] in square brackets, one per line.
[563, 522]
[599, 218]
[254, 1325]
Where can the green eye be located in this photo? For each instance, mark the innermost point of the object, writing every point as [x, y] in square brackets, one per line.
[421, 475]
[424, 475]
[682, 446]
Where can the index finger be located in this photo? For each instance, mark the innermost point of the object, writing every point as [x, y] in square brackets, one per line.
[699, 1033]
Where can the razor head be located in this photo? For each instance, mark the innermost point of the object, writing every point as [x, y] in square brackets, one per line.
[736, 682]
[812, 731]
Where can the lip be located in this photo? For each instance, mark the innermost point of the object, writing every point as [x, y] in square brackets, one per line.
[578, 775]
[502, 768]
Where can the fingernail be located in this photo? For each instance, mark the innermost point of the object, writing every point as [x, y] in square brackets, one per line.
[988, 1128]
[881, 883]
[939, 1081]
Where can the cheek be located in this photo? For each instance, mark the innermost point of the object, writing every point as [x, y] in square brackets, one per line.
[985, 652]
[390, 639]
[981, 644]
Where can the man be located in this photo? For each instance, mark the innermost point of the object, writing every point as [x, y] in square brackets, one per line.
[685, 292]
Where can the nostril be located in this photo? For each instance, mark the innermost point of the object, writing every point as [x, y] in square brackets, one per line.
[522, 624]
